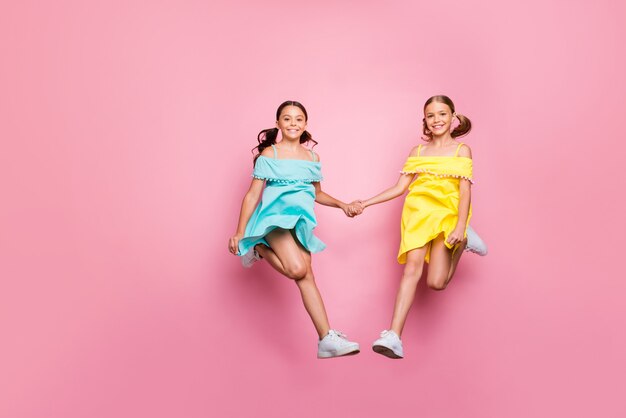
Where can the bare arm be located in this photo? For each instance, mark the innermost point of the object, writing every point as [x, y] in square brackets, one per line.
[391, 193]
[248, 205]
[465, 197]
[464, 205]
[325, 199]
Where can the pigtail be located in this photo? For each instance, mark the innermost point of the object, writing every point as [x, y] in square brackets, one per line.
[266, 138]
[465, 125]
[306, 137]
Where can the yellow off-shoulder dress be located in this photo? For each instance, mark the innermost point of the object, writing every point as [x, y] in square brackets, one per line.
[432, 204]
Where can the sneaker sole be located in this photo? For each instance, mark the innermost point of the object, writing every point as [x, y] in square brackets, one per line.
[341, 353]
[386, 351]
[478, 251]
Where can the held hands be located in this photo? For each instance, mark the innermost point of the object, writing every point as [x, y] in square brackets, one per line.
[353, 209]
[233, 244]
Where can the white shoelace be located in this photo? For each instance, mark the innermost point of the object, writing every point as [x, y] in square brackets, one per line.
[389, 333]
[335, 333]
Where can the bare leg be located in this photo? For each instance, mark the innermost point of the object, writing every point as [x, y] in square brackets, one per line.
[443, 263]
[456, 257]
[294, 262]
[408, 284]
[270, 256]
[312, 299]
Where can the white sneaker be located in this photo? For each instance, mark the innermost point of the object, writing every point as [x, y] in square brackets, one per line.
[475, 244]
[249, 258]
[389, 345]
[335, 344]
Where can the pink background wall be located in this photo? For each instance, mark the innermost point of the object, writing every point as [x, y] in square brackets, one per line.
[126, 128]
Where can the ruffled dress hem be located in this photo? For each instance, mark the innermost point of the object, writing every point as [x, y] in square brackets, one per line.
[298, 223]
[432, 236]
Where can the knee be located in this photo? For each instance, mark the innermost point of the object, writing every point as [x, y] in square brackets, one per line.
[438, 283]
[412, 273]
[296, 271]
[437, 286]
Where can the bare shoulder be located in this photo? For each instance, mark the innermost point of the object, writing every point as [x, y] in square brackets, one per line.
[465, 151]
[268, 152]
[308, 154]
[414, 151]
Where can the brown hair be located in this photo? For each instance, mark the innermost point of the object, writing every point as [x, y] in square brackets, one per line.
[465, 125]
[267, 137]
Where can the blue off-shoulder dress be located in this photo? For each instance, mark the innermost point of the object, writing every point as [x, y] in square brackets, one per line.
[287, 202]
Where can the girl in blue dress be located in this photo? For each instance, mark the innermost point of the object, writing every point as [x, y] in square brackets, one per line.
[276, 221]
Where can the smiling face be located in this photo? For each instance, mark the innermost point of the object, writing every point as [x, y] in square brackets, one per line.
[291, 122]
[438, 118]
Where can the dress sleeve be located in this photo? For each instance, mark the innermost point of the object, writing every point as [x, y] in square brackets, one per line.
[409, 166]
[463, 168]
[455, 167]
[263, 170]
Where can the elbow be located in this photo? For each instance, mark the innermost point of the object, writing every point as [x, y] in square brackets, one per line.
[251, 198]
[399, 191]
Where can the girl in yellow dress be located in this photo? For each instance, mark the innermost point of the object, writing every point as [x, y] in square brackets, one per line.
[436, 211]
